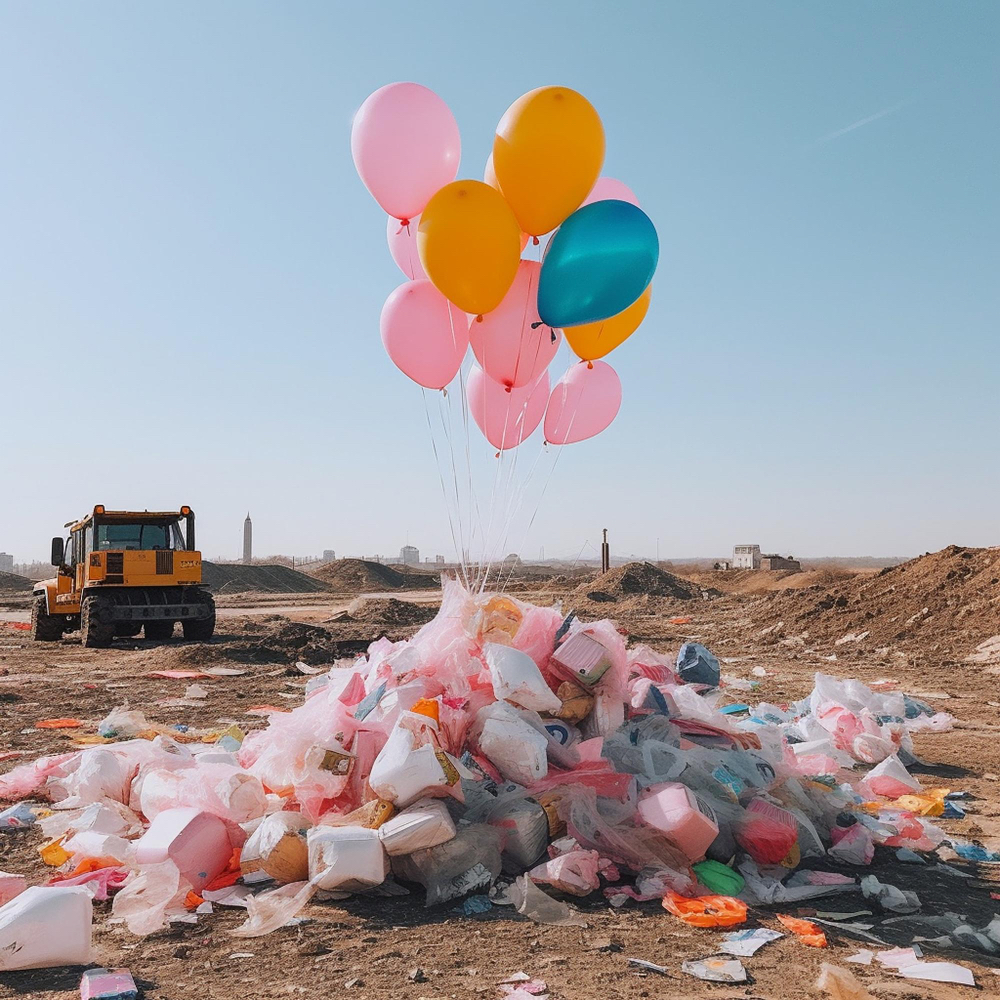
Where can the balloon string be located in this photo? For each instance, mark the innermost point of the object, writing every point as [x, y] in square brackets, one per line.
[451, 448]
[472, 495]
[437, 462]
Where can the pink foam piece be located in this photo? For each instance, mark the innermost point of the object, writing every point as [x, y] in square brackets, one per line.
[672, 809]
[11, 886]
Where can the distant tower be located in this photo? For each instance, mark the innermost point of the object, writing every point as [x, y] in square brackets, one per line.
[247, 540]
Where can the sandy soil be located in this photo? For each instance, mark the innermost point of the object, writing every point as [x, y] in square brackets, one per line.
[375, 944]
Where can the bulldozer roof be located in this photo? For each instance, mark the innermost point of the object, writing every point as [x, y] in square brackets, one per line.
[129, 515]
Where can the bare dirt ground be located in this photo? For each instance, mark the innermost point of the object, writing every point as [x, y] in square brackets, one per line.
[375, 944]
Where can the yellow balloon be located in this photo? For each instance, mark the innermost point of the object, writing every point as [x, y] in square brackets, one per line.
[591, 341]
[547, 156]
[469, 244]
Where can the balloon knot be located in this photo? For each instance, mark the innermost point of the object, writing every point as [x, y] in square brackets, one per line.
[479, 318]
[507, 388]
[534, 241]
[405, 224]
[444, 391]
[590, 364]
[553, 334]
[535, 326]
[497, 455]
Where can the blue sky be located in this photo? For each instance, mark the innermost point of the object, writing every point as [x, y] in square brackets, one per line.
[191, 272]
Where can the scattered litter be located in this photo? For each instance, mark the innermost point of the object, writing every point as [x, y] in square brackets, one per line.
[716, 970]
[749, 942]
[108, 984]
[58, 724]
[806, 931]
[939, 972]
[706, 911]
[862, 957]
[179, 675]
[841, 984]
[19, 817]
[640, 963]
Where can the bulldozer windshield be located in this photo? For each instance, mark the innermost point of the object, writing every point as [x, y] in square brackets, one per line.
[139, 535]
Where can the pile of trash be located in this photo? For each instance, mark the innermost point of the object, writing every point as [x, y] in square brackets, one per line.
[505, 754]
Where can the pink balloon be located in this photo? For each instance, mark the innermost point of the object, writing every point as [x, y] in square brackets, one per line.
[506, 418]
[584, 401]
[402, 242]
[423, 340]
[509, 350]
[406, 146]
[609, 189]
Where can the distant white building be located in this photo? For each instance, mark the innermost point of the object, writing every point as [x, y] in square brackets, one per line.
[746, 557]
[6, 562]
[409, 555]
[329, 555]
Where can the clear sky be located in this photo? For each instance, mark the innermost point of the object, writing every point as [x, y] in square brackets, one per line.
[191, 272]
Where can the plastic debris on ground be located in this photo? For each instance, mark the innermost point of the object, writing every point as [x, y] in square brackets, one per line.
[841, 984]
[503, 740]
[747, 943]
[108, 984]
[716, 970]
[805, 930]
[46, 926]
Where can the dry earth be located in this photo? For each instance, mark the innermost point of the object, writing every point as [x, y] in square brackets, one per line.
[376, 943]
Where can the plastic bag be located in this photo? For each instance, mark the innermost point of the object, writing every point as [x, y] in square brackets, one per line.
[516, 678]
[228, 792]
[424, 824]
[767, 832]
[346, 857]
[468, 862]
[805, 930]
[841, 984]
[696, 665]
[706, 911]
[575, 872]
[890, 779]
[147, 900]
[532, 902]
[888, 896]
[516, 748]
[278, 847]
[852, 844]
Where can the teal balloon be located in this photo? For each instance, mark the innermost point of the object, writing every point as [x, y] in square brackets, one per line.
[598, 263]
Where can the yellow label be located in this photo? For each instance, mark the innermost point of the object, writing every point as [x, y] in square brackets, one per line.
[450, 772]
[337, 762]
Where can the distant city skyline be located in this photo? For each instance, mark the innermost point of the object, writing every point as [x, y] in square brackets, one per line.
[817, 370]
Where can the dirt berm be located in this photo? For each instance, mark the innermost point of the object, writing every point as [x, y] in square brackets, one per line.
[231, 578]
[640, 579]
[951, 597]
[11, 584]
[355, 576]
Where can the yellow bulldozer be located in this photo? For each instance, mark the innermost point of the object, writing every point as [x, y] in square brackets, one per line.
[121, 572]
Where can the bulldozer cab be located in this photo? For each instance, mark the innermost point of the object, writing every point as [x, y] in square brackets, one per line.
[102, 531]
[126, 570]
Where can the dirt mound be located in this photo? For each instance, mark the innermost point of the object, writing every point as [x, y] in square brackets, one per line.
[388, 611]
[640, 579]
[233, 578]
[748, 581]
[951, 596]
[12, 584]
[358, 575]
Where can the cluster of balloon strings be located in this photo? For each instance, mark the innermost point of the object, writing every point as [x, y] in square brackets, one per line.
[460, 244]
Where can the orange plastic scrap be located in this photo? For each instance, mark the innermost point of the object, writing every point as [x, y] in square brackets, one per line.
[229, 876]
[58, 724]
[192, 900]
[706, 911]
[806, 931]
[930, 802]
[681, 620]
[428, 706]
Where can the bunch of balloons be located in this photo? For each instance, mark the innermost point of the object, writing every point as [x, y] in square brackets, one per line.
[459, 242]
